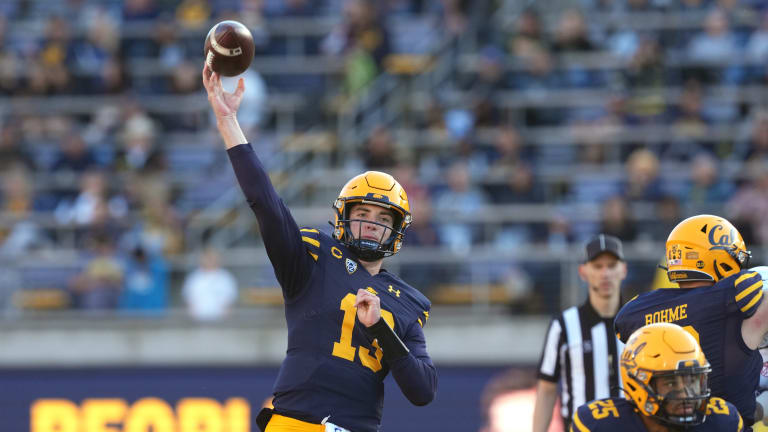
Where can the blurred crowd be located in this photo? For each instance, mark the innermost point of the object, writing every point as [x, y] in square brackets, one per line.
[560, 111]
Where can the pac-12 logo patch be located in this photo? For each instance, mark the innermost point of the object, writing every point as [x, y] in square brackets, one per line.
[351, 266]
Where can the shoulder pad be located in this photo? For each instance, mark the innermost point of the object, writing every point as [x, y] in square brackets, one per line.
[724, 415]
[748, 292]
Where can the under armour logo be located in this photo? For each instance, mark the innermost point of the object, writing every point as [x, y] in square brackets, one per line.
[392, 290]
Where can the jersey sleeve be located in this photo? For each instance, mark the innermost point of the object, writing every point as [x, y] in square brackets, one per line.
[415, 373]
[748, 292]
[282, 239]
[549, 366]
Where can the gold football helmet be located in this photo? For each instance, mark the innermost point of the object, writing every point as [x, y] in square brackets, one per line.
[705, 248]
[664, 372]
[378, 188]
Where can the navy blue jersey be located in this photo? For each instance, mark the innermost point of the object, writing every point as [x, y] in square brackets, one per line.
[713, 315]
[614, 414]
[332, 367]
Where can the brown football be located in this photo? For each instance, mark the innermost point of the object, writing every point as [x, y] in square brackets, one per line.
[229, 48]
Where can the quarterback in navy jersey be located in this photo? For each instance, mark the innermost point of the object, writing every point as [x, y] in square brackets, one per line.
[350, 322]
[718, 301]
[664, 376]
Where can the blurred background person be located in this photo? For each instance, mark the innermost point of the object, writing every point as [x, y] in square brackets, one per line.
[209, 291]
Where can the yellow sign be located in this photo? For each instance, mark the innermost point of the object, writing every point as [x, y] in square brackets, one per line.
[157, 415]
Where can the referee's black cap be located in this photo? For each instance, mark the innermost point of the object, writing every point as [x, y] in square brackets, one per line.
[604, 243]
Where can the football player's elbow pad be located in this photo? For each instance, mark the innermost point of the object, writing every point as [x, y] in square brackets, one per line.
[390, 343]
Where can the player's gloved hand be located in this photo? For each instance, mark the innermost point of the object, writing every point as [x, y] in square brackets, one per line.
[368, 307]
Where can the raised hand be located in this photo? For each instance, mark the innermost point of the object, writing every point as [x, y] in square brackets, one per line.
[368, 307]
[224, 104]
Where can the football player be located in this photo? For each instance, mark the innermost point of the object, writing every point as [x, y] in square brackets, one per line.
[350, 322]
[664, 375]
[718, 301]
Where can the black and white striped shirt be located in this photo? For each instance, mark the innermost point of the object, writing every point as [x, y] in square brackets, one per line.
[581, 352]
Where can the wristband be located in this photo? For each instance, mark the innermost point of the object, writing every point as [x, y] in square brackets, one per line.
[390, 343]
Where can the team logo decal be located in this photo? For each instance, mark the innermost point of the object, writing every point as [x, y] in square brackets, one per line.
[723, 241]
[351, 266]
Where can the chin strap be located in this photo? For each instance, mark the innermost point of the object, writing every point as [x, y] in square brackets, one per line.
[393, 347]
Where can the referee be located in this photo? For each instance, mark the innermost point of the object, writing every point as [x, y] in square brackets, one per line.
[581, 352]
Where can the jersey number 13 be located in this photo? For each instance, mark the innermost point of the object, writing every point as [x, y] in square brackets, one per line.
[344, 348]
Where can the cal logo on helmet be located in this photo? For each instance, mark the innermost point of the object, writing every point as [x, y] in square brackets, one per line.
[719, 239]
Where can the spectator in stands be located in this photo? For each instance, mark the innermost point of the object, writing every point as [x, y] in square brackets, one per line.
[193, 14]
[571, 37]
[209, 291]
[363, 40]
[98, 285]
[74, 155]
[616, 219]
[750, 202]
[490, 74]
[509, 151]
[528, 34]
[646, 72]
[756, 51]
[11, 150]
[707, 190]
[146, 282]
[455, 16]
[140, 10]
[159, 229]
[668, 213]
[689, 124]
[51, 73]
[558, 237]
[461, 200]
[536, 79]
[519, 187]
[17, 203]
[756, 145]
[139, 152]
[80, 209]
[715, 46]
[289, 8]
[642, 182]
[380, 152]
[93, 60]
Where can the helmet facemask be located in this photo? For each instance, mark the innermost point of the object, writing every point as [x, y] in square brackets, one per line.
[374, 188]
[369, 249]
[677, 397]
